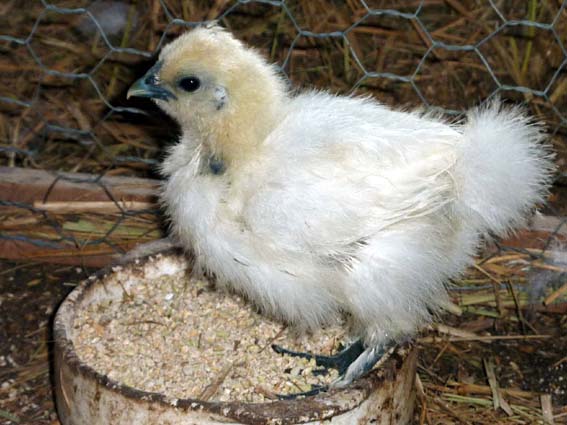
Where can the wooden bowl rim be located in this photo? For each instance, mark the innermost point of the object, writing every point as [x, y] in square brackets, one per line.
[319, 407]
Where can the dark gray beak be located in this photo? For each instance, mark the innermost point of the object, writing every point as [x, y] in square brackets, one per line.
[149, 86]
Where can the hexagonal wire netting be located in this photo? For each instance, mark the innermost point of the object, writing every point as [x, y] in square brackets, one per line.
[66, 65]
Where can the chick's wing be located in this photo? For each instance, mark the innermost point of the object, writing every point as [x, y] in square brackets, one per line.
[328, 179]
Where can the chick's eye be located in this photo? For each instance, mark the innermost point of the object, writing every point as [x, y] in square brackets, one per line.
[189, 84]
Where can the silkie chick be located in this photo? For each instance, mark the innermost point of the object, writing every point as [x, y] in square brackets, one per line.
[319, 207]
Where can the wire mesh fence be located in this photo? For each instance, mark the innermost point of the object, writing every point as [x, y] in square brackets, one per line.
[66, 65]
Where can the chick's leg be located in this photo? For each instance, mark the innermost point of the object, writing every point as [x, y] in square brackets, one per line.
[363, 364]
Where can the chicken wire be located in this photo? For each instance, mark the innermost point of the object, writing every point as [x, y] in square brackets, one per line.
[66, 66]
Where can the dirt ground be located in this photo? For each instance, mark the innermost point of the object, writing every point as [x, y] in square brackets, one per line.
[29, 296]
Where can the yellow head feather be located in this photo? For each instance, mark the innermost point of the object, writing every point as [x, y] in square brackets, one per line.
[253, 89]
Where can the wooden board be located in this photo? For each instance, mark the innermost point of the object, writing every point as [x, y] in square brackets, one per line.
[59, 197]
[29, 186]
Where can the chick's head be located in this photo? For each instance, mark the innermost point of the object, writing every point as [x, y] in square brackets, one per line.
[215, 86]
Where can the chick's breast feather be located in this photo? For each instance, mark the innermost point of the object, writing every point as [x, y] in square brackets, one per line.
[345, 206]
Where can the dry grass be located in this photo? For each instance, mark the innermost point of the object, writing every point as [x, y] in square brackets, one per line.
[503, 359]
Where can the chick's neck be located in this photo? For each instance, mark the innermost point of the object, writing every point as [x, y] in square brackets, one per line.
[237, 134]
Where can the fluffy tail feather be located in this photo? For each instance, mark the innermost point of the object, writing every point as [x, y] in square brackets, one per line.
[503, 167]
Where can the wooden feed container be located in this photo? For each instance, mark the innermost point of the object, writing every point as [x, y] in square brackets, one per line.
[85, 396]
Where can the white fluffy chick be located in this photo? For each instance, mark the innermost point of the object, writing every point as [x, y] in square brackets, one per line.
[319, 207]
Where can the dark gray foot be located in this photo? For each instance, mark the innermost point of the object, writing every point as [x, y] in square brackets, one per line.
[340, 361]
[317, 389]
[352, 363]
